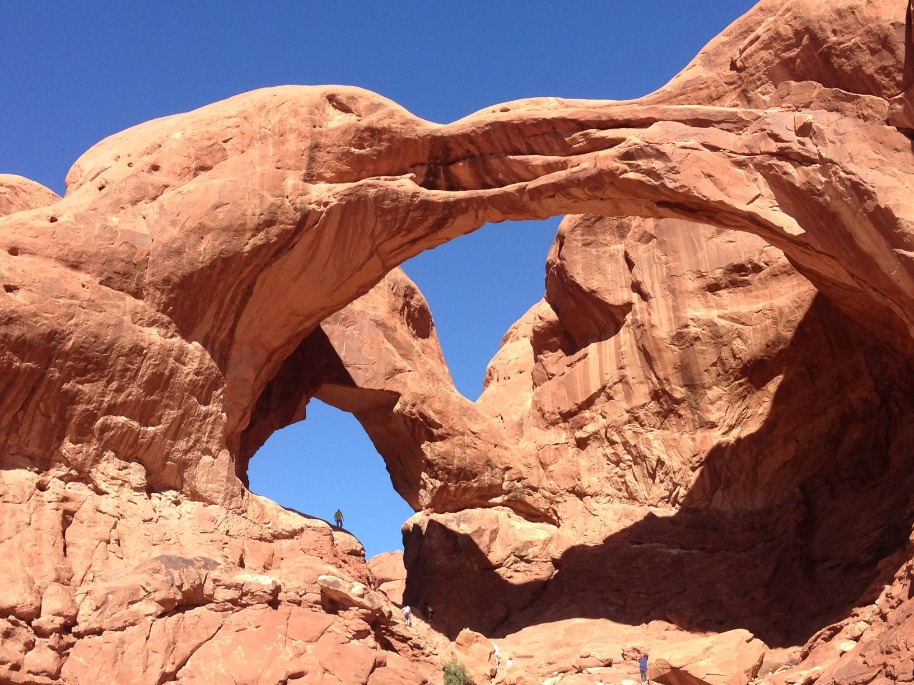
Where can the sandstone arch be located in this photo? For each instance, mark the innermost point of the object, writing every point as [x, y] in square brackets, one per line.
[255, 201]
[155, 318]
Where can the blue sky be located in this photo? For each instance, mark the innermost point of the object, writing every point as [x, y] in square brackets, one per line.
[74, 72]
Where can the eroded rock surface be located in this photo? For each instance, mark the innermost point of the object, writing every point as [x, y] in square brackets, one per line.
[389, 573]
[731, 658]
[715, 452]
[705, 425]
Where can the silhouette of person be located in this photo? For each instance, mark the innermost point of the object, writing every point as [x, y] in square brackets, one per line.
[338, 517]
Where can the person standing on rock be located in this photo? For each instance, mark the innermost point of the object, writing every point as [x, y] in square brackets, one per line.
[338, 517]
[407, 613]
[642, 665]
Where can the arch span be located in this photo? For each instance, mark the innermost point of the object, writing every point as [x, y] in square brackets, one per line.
[153, 321]
[239, 227]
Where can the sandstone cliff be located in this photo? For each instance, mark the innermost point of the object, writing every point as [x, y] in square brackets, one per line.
[704, 426]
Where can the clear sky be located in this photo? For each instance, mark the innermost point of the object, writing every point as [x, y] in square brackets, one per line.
[73, 72]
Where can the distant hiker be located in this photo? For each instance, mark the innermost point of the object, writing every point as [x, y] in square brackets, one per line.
[407, 612]
[495, 651]
[338, 517]
[642, 664]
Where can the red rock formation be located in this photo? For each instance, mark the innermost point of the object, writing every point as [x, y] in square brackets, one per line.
[388, 571]
[732, 658]
[18, 193]
[106, 581]
[684, 429]
[732, 400]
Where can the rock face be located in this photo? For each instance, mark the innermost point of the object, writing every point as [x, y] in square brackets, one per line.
[18, 193]
[105, 581]
[705, 462]
[732, 658]
[390, 575]
[705, 424]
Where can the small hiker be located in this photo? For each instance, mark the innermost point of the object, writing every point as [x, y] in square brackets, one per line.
[495, 650]
[407, 613]
[642, 665]
[338, 517]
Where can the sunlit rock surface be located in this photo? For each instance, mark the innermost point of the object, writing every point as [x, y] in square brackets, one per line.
[703, 428]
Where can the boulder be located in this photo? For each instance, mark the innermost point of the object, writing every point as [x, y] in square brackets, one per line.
[389, 574]
[731, 658]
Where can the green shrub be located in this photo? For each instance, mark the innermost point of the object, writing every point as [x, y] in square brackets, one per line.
[456, 674]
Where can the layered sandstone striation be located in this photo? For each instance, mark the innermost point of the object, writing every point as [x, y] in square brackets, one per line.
[703, 427]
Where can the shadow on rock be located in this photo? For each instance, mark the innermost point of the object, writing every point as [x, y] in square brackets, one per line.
[783, 532]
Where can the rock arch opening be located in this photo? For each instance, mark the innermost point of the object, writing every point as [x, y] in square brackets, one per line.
[793, 472]
[477, 287]
[325, 463]
[481, 284]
